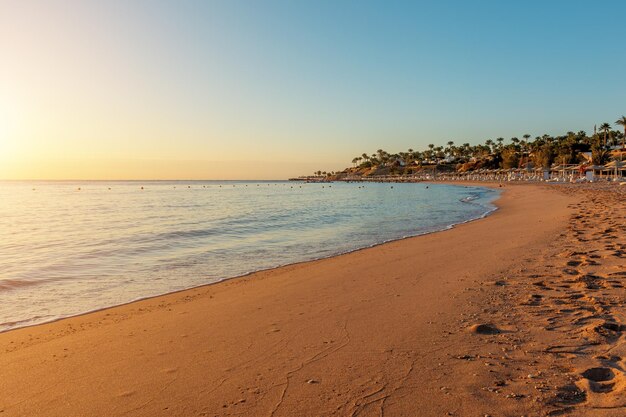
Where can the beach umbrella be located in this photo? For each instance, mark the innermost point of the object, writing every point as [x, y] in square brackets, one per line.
[617, 165]
[594, 168]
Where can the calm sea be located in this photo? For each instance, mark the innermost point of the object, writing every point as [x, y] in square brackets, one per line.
[71, 247]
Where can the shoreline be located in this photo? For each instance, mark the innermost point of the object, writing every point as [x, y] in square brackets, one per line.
[489, 211]
[305, 331]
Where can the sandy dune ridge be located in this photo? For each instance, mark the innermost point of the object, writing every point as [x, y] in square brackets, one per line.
[520, 313]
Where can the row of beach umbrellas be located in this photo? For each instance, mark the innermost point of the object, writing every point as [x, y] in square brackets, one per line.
[610, 166]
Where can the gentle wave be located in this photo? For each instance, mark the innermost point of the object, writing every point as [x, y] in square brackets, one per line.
[12, 284]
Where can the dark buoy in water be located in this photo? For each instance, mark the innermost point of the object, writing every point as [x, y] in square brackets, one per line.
[142, 188]
[392, 186]
[78, 188]
[427, 186]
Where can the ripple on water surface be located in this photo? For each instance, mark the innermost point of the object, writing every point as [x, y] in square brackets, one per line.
[72, 247]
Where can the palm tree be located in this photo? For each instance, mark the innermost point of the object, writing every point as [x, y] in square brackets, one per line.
[489, 143]
[430, 153]
[622, 122]
[408, 157]
[449, 150]
[605, 127]
[382, 156]
[599, 155]
[500, 140]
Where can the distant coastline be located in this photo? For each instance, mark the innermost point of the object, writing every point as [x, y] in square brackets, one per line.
[567, 157]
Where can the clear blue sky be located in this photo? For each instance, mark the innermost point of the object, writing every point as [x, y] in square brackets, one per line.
[298, 84]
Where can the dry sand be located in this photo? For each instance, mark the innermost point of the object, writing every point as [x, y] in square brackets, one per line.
[517, 314]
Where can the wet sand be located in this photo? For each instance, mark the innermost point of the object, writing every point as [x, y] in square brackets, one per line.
[516, 314]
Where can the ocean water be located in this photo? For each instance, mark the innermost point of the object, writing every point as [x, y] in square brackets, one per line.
[71, 247]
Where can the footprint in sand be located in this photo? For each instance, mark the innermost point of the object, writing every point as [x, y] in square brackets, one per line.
[607, 330]
[591, 282]
[599, 379]
[488, 329]
[598, 374]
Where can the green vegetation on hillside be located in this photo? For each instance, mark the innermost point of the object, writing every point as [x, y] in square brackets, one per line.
[542, 151]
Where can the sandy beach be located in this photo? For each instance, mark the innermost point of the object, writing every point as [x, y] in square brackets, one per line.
[516, 314]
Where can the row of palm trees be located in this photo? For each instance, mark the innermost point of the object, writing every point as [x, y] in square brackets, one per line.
[541, 151]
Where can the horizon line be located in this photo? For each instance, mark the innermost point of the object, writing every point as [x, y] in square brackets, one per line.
[134, 180]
